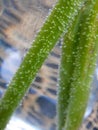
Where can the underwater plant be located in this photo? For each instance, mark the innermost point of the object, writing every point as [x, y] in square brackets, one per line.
[75, 22]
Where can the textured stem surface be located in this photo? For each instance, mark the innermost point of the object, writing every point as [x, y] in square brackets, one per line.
[56, 24]
[66, 71]
[79, 66]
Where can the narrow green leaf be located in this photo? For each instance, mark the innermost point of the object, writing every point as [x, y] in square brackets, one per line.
[83, 56]
[66, 71]
[56, 24]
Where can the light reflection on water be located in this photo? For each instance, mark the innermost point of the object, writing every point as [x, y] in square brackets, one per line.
[18, 124]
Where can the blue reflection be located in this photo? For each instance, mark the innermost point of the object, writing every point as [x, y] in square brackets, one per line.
[10, 64]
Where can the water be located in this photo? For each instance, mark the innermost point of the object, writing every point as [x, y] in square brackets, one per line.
[20, 20]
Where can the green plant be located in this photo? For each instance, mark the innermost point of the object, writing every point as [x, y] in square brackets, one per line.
[79, 54]
[63, 16]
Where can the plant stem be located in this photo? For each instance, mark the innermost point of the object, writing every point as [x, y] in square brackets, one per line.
[66, 71]
[56, 24]
[77, 66]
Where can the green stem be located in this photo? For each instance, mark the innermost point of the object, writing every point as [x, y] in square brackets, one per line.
[66, 71]
[84, 54]
[57, 23]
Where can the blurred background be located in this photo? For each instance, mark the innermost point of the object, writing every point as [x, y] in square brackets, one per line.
[20, 21]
